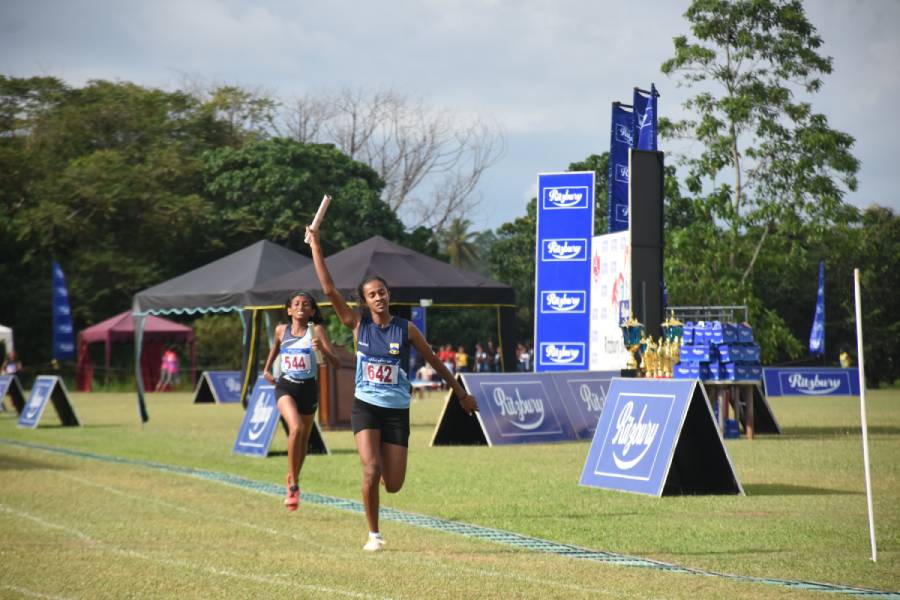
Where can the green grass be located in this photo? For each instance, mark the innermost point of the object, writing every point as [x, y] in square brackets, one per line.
[158, 534]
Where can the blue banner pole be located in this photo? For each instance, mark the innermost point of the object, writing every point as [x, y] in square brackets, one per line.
[817, 333]
[63, 333]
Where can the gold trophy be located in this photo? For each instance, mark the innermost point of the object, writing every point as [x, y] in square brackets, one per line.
[632, 334]
[673, 331]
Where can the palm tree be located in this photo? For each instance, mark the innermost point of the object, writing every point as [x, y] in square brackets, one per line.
[459, 243]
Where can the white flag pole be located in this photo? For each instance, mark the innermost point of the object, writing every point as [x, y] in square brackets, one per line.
[862, 409]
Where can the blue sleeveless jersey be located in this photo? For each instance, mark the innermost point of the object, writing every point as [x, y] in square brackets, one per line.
[382, 360]
[298, 361]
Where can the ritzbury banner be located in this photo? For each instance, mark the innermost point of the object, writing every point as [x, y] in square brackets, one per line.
[258, 426]
[644, 119]
[63, 334]
[659, 437]
[48, 388]
[620, 140]
[524, 408]
[221, 387]
[565, 226]
[811, 381]
[10, 386]
[418, 318]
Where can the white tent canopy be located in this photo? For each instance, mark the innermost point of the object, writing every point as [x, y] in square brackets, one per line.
[6, 336]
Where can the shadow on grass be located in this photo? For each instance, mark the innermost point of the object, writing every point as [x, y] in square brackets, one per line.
[837, 431]
[19, 463]
[785, 489]
[82, 426]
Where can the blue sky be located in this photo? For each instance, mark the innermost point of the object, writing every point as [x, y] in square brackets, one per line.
[546, 71]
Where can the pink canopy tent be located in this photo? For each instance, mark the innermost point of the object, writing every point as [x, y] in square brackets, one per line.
[120, 328]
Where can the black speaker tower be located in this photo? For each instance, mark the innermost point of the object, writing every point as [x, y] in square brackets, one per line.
[645, 210]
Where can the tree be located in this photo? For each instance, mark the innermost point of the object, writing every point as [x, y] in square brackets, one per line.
[771, 171]
[458, 242]
[877, 241]
[512, 263]
[103, 178]
[409, 144]
[272, 188]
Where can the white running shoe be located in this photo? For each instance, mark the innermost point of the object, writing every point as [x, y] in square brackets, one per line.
[375, 544]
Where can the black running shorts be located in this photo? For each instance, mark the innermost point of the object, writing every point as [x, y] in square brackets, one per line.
[305, 393]
[392, 422]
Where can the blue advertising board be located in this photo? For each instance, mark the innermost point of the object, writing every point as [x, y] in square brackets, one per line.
[10, 386]
[658, 437]
[221, 387]
[583, 395]
[259, 424]
[519, 410]
[524, 408]
[260, 419]
[811, 381]
[418, 318]
[565, 227]
[48, 388]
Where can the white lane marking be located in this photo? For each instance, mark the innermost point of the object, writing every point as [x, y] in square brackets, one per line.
[332, 549]
[183, 563]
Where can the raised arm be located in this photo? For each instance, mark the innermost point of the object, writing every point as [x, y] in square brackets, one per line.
[347, 315]
[466, 400]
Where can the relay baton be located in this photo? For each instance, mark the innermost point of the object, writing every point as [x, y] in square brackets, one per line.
[320, 214]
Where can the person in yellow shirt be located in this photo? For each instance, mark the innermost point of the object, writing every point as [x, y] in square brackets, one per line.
[462, 360]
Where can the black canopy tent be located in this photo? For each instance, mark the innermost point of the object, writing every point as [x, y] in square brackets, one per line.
[411, 276]
[220, 286]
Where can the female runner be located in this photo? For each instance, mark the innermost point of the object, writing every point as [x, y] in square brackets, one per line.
[380, 415]
[297, 389]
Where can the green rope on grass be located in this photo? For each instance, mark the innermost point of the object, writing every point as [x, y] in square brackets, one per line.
[507, 538]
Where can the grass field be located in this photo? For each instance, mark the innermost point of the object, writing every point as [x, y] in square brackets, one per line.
[72, 527]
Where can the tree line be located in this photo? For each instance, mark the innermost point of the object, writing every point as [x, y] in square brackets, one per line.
[127, 186]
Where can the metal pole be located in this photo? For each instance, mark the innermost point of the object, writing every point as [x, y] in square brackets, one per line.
[862, 410]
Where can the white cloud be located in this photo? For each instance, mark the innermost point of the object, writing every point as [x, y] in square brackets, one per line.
[547, 71]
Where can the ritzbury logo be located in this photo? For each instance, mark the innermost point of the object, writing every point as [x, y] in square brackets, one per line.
[262, 412]
[553, 250]
[633, 437]
[635, 434]
[573, 197]
[816, 386]
[563, 301]
[523, 413]
[623, 134]
[562, 353]
[621, 173]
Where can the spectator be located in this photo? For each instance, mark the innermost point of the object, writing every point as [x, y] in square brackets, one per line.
[462, 360]
[168, 371]
[11, 365]
[491, 353]
[521, 357]
[424, 380]
[480, 358]
[845, 359]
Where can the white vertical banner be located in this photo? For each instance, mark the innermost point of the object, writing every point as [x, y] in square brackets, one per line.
[862, 410]
[610, 300]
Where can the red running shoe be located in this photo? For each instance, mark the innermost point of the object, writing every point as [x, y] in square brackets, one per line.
[292, 500]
